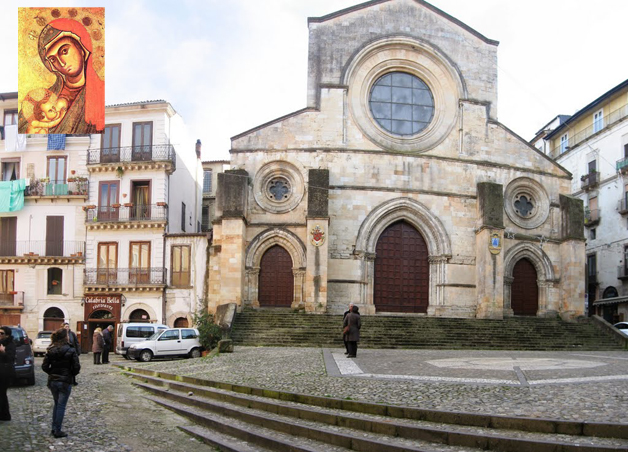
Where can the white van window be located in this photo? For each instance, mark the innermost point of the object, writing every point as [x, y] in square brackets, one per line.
[140, 331]
[188, 334]
[172, 335]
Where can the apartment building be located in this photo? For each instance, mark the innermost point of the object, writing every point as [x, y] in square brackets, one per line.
[42, 224]
[593, 145]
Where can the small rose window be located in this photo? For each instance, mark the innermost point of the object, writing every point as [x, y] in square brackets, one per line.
[278, 189]
[524, 206]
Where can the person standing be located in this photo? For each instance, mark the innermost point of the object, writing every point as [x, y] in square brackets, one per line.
[61, 363]
[106, 334]
[72, 338]
[344, 336]
[7, 370]
[98, 344]
[352, 320]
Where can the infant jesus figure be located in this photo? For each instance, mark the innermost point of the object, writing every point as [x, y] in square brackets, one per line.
[43, 110]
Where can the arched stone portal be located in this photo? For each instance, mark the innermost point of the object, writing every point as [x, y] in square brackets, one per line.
[266, 240]
[429, 227]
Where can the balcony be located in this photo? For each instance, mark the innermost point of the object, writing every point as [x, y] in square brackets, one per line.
[590, 180]
[622, 272]
[42, 252]
[127, 216]
[131, 279]
[591, 130]
[133, 157]
[591, 217]
[72, 187]
[622, 205]
[622, 165]
[13, 299]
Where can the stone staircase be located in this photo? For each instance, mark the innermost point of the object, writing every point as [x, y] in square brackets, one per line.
[280, 327]
[241, 418]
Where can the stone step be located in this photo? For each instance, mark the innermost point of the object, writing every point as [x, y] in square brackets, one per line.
[364, 426]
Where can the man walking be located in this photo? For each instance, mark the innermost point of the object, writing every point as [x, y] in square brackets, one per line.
[344, 335]
[106, 334]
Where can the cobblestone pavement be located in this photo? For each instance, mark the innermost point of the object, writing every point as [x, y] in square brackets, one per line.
[105, 413]
[583, 393]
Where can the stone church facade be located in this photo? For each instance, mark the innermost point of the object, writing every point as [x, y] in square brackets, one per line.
[396, 188]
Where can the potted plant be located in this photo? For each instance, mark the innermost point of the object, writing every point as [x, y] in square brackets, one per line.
[120, 171]
[161, 204]
[128, 204]
[115, 205]
[55, 282]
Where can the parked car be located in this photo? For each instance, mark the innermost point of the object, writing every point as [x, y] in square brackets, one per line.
[41, 343]
[134, 332]
[24, 359]
[167, 343]
[622, 326]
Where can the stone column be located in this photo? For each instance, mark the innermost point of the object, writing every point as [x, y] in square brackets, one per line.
[231, 197]
[317, 242]
[489, 258]
[572, 257]
[508, 280]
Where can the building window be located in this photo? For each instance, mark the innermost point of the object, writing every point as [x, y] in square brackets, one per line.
[564, 141]
[10, 169]
[278, 189]
[183, 216]
[401, 103]
[56, 169]
[110, 144]
[55, 281]
[592, 166]
[591, 267]
[7, 278]
[180, 266]
[592, 234]
[598, 121]
[207, 181]
[139, 262]
[10, 117]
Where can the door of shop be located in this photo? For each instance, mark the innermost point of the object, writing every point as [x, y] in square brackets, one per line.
[401, 270]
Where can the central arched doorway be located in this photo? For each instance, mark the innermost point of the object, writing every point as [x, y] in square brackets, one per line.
[276, 279]
[53, 319]
[524, 298]
[401, 270]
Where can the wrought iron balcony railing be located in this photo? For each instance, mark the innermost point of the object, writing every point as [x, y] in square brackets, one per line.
[590, 180]
[144, 153]
[127, 212]
[622, 165]
[42, 248]
[591, 217]
[125, 276]
[15, 298]
[71, 187]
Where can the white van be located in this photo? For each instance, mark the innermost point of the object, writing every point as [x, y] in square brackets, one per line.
[134, 332]
[168, 343]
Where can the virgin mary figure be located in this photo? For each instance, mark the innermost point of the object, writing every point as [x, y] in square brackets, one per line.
[65, 48]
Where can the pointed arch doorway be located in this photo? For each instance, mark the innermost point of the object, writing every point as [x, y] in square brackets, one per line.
[524, 298]
[401, 270]
[276, 279]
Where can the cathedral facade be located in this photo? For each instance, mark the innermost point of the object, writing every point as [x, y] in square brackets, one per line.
[396, 188]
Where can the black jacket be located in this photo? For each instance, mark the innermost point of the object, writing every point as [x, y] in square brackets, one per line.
[7, 359]
[61, 363]
[73, 341]
[106, 334]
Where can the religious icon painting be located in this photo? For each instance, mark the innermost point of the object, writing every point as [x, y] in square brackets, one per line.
[61, 75]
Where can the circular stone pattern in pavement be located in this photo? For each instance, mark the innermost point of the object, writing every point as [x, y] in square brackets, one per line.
[510, 364]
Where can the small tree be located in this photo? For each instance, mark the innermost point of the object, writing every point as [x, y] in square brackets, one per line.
[209, 332]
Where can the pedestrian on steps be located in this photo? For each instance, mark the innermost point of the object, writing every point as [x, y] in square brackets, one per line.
[98, 343]
[353, 322]
[61, 363]
[344, 335]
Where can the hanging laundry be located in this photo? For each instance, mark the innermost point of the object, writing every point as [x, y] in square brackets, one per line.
[10, 138]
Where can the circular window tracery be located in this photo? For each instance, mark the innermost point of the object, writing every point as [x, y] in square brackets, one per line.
[526, 203]
[401, 103]
[279, 189]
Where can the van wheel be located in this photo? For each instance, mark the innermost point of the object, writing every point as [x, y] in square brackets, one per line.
[195, 353]
[145, 356]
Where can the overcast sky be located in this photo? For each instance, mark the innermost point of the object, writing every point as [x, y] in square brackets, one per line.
[229, 65]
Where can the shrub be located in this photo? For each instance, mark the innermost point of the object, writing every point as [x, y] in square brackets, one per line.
[209, 332]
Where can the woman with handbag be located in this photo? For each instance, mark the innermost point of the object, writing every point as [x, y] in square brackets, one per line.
[61, 363]
[352, 325]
